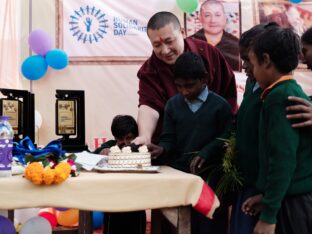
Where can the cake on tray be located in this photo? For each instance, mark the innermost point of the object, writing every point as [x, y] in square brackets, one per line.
[126, 158]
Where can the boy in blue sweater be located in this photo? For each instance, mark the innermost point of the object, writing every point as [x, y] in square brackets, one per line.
[193, 120]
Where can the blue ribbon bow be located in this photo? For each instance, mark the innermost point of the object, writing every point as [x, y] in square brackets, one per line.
[26, 146]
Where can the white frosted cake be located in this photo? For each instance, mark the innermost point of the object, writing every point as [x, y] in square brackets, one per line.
[125, 158]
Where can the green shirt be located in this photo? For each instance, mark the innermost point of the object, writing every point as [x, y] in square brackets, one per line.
[285, 153]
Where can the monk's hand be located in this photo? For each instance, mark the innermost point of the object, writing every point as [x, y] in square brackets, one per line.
[141, 140]
[155, 150]
[301, 110]
[264, 228]
[196, 164]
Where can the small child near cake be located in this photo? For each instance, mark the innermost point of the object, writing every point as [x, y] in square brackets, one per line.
[124, 129]
[193, 120]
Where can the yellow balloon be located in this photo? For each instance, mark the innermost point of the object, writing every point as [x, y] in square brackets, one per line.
[68, 218]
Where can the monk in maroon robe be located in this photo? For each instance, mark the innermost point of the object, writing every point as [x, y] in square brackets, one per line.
[156, 83]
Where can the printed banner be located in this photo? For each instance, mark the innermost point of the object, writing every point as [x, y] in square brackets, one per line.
[104, 30]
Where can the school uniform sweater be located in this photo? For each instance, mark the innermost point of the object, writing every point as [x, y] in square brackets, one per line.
[186, 132]
[285, 153]
[247, 134]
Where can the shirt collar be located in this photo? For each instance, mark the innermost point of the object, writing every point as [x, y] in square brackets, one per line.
[204, 94]
[202, 97]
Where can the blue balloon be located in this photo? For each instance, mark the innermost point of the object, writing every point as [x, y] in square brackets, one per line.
[98, 218]
[57, 59]
[34, 67]
[295, 1]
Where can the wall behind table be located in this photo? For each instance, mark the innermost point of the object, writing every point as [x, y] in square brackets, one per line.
[109, 89]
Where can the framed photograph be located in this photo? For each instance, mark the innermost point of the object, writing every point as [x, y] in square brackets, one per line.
[218, 23]
[104, 31]
[295, 16]
[298, 17]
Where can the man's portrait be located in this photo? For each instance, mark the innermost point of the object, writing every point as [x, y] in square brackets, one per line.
[218, 23]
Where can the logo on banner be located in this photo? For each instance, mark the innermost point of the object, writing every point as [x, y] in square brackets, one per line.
[88, 24]
[127, 26]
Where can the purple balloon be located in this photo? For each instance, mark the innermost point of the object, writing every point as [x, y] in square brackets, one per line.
[61, 208]
[40, 42]
[6, 226]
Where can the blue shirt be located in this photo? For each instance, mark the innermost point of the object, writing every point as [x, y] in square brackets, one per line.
[198, 102]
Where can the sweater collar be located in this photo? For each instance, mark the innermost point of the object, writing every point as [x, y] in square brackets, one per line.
[268, 89]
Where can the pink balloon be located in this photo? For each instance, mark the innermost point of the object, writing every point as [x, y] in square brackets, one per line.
[40, 42]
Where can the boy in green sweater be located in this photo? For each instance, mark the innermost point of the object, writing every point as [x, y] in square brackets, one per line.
[285, 172]
[193, 120]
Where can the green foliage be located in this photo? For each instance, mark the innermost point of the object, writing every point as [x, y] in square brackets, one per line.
[229, 177]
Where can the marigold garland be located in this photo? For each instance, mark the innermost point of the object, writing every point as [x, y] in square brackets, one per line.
[36, 173]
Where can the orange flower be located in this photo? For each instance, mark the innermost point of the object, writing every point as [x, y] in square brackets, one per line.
[64, 166]
[39, 175]
[48, 176]
[36, 179]
[33, 172]
[60, 176]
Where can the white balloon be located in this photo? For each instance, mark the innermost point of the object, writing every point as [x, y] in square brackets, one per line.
[36, 225]
[22, 215]
[163, 5]
[38, 119]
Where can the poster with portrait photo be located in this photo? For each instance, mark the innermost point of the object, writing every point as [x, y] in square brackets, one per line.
[298, 17]
[218, 23]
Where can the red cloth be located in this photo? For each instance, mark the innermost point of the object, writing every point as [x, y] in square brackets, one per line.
[205, 200]
[156, 81]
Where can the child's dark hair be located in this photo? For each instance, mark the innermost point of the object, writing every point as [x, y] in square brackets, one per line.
[248, 36]
[123, 125]
[189, 66]
[282, 45]
[307, 36]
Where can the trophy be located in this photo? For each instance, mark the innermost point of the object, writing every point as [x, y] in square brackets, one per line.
[19, 106]
[70, 119]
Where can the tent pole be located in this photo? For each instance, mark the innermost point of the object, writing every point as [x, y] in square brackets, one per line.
[30, 29]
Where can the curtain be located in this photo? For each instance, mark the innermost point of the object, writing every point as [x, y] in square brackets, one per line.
[9, 43]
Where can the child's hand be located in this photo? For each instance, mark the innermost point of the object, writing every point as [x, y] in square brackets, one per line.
[252, 206]
[264, 228]
[155, 150]
[105, 151]
[196, 164]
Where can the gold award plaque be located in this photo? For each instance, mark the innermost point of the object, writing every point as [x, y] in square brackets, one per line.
[10, 108]
[66, 117]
